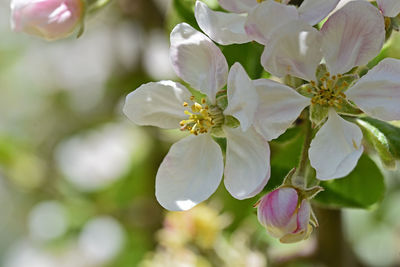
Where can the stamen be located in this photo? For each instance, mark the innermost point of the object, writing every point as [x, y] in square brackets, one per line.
[328, 92]
[201, 117]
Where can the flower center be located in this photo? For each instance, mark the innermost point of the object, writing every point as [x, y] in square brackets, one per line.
[202, 117]
[328, 91]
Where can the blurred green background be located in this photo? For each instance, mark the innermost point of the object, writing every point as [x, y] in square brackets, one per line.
[77, 178]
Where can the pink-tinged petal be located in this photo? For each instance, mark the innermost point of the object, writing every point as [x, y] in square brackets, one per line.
[247, 168]
[295, 51]
[48, 19]
[266, 18]
[313, 11]
[336, 148]
[197, 60]
[303, 216]
[276, 211]
[238, 6]
[304, 228]
[223, 28]
[157, 104]
[242, 96]
[389, 8]
[378, 92]
[352, 36]
[279, 106]
[190, 173]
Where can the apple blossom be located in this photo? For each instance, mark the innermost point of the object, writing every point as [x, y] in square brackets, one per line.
[351, 37]
[193, 167]
[243, 23]
[285, 215]
[48, 19]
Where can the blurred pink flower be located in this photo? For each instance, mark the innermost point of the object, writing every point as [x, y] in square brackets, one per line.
[48, 19]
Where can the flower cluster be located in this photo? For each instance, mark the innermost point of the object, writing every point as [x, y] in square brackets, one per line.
[322, 48]
[251, 113]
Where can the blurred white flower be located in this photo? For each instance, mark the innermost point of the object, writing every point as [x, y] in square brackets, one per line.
[47, 220]
[101, 239]
[156, 56]
[94, 159]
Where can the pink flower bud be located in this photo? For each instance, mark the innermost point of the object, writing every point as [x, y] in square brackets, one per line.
[285, 215]
[49, 19]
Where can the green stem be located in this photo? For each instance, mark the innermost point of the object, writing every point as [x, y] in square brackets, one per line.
[301, 177]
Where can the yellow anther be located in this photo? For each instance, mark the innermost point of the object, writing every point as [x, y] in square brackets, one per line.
[201, 117]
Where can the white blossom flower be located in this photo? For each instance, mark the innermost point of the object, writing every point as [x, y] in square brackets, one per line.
[256, 19]
[351, 37]
[193, 167]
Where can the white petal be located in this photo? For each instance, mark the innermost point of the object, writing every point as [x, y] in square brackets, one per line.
[242, 96]
[389, 8]
[352, 36]
[238, 6]
[336, 148]
[295, 51]
[223, 28]
[378, 92]
[313, 11]
[197, 60]
[247, 168]
[157, 104]
[190, 173]
[266, 18]
[279, 106]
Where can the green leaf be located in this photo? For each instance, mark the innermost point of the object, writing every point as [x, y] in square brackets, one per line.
[391, 133]
[362, 188]
[185, 10]
[248, 55]
[379, 141]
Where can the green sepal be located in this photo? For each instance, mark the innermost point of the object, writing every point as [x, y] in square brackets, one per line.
[222, 99]
[287, 181]
[318, 114]
[305, 90]
[320, 72]
[231, 121]
[379, 141]
[310, 193]
[346, 81]
[217, 132]
[292, 81]
[346, 108]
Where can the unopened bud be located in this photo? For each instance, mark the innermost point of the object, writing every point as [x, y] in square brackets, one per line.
[48, 19]
[285, 215]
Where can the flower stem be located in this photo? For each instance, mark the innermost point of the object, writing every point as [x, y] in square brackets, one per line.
[301, 177]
